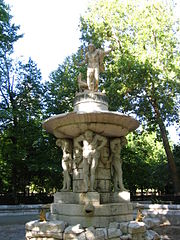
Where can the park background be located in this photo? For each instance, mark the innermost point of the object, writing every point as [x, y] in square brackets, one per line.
[38, 78]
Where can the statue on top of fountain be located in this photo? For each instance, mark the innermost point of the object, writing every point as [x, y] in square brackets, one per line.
[94, 60]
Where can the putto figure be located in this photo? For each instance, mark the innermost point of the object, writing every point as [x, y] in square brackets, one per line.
[66, 146]
[94, 59]
[115, 158]
[91, 145]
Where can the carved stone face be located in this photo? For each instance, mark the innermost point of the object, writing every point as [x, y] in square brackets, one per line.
[88, 135]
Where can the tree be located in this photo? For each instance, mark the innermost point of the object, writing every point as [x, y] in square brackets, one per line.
[8, 36]
[21, 115]
[8, 31]
[143, 74]
[28, 157]
[144, 163]
[61, 88]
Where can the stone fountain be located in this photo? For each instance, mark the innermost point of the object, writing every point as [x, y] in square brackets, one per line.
[93, 203]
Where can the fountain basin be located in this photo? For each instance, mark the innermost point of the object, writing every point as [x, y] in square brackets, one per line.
[106, 123]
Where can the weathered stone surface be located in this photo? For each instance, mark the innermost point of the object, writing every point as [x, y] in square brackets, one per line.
[50, 226]
[151, 222]
[94, 234]
[126, 237]
[90, 233]
[103, 173]
[42, 238]
[99, 222]
[101, 234]
[77, 229]
[73, 124]
[78, 173]
[80, 164]
[81, 236]
[114, 233]
[168, 214]
[113, 209]
[65, 197]
[114, 225]
[138, 236]
[92, 197]
[74, 232]
[91, 229]
[116, 238]
[152, 235]
[47, 234]
[136, 227]
[103, 185]
[74, 236]
[104, 162]
[104, 231]
[124, 227]
[77, 198]
[88, 101]
[78, 186]
[57, 230]
[115, 197]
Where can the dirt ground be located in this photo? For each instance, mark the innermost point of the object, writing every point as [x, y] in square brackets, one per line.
[169, 232]
[17, 232]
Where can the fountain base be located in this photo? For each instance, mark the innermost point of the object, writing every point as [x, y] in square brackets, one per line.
[92, 208]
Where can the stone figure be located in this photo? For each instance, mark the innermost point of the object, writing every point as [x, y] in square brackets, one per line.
[82, 85]
[42, 215]
[77, 154]
[94, 59]
[105, 157]
[66, 146]
[116, 161]
[140, 216]
[91, 144]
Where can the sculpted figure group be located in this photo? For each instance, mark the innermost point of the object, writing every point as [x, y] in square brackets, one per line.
[91, 148]
[87, 149]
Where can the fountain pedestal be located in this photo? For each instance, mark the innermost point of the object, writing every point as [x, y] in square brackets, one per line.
[88, 101]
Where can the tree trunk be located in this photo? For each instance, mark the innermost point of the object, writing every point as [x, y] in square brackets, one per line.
[14, 183]
[169, 154]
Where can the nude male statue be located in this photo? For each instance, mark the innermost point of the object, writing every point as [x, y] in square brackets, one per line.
[66, 146]
[116, 146]
[94, 59]
[91, 145]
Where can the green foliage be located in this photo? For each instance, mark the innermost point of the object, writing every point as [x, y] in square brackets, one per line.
[8, 31]
[28, 156]
[25, 149]
[144, 162]
[144, 66]
[176, 152]
[61, 88]
[143, 76]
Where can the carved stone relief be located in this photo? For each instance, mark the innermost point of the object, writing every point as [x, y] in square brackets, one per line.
[96, 160]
